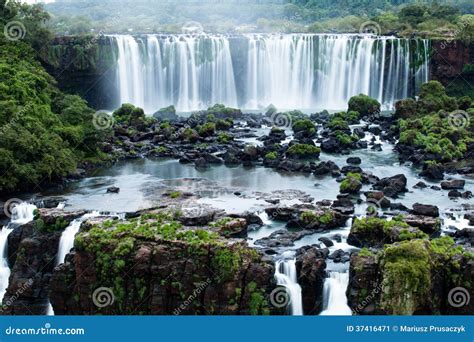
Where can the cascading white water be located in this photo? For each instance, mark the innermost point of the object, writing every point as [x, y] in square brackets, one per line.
[285, 275]
[292, 71]
[334, 295]
[22, 213]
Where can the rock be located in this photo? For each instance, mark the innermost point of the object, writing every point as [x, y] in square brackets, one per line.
[324, 168]
[454, 194]
[344, 206]
[455, 184]
[199, 215]
[351, 169]
[235, 228]
[378, 199]
[427, 224]
[282, 238]
[432, 171]
[425, 210]
[339, 256]
[201, 163]
[467, 195]
[311, 272]
[354, 160]
[327, 242]
[420, 185]
[167, 114]
[113, 190]
[392, 186]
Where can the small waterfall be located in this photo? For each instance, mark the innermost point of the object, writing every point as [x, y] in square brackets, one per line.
[290, 71]
[21, 214]
[334, 295]
[285, 275]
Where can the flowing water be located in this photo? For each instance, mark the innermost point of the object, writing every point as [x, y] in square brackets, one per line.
[334, 295]
[285, 275]
[290, 71]
[22, 213]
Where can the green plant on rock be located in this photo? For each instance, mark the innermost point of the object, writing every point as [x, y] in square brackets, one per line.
[364, 105]
[352, 183]
[207, 130]
[305, 126]
[302, 151]
[271, 155]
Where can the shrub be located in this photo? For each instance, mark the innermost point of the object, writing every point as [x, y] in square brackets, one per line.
[364, 105]
[301, 151]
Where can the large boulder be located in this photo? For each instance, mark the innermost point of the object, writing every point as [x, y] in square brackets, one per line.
[392, 186]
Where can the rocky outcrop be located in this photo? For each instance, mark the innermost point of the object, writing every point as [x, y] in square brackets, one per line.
[311, 269]
[412, 277]
[155, 267]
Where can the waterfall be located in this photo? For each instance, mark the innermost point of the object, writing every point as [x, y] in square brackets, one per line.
[285, 275]
[290, 71]
[22, 213]
[334, 295]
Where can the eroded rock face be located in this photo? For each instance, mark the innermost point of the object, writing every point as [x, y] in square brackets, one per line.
[311, 269]
[383, 283]
[32, 257]
[162, 275]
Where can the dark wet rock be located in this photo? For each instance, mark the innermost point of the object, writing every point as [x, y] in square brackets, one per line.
[359, 132]
[337, 238]
[250, 217]
[467, 195]
[420, 185]
[231, 159]
[427, 224]
[282, 238]
[113, 190]
[425, 210]
[199, 215]
[455, 184]
[166, 114]
[236, 228]
[339, 256]
[212, 159]
[392, 186]
[378, 199]
[432, 171]
[354, 160]
[311, 271]
[201, 163]
[454, 194]
[324, 168]
[435, 188]
[331, 145]
[344, 206]
[377, 147]
[327, 242]
[351, 169]
[398, 207]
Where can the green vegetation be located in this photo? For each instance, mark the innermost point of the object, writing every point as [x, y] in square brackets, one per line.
[59, 225]
[302, 151]
[224, 138]
[317, 218]
[436, 125]
[129, 115]
[352, 183]
[207, 130]
[407, 276]
[306, 127]
[271, 155]
[364, 105]
[405, 16]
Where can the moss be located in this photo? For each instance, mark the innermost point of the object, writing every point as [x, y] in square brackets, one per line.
[305, 126]
[407, 279]
[364, 252]
[352, 183]
[59, 225]
[258, 305]
[207, 130]
[175, 194]
[364, 105]
[224, 138]
[224, 125]
[271, 155]
[301, 151]
[313, 218]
